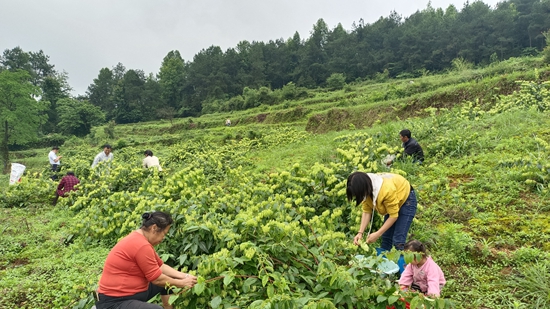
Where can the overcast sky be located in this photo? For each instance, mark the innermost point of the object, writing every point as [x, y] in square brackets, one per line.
[83, 36]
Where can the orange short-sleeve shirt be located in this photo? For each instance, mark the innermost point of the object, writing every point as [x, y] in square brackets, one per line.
[129, 267]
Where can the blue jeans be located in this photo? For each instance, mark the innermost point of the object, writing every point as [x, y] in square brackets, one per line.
[396, 235]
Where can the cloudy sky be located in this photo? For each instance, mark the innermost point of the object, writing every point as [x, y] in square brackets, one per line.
[83, 36]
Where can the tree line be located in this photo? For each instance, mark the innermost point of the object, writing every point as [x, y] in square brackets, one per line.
[255, 73]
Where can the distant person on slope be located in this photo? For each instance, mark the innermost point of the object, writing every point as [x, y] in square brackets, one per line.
[134, 273]
[411, 146]
[105, 155]
[151, 161]
[228, 122]
[66, 185]
[55, 161]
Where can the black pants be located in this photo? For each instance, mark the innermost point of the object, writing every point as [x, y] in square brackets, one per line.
[136, 301]
[55, 168]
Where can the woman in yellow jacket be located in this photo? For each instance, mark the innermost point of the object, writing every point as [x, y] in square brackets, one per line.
[393, 197]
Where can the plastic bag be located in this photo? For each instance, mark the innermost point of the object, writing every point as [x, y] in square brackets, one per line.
[388, 160]
[17, 171]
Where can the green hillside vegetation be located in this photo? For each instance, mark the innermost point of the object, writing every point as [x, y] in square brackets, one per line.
[280, 72]
[260, 210]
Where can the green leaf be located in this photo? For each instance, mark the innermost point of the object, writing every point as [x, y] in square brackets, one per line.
[173, 298]
[198, 288]
[215, 303]
[270, 291]
[238, 260]
[381, 298]
[247, 283]
[338, 297]
[192, 228]
[265, 278]
[182, 259]
[416, 303]
[228, 279]
[392, 299]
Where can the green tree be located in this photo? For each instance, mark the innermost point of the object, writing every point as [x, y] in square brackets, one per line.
[546, 51]
[77, 117]
[20, 113]
[313, 67]
[339, 50]
[336, 81]
[171, 79]
[54, 85]
[128, 97]
[152, 100]
[54, 88]
[100, 92]
[16, 59]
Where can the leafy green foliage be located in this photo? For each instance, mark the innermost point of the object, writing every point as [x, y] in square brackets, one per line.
[78, 117]
[281, 237]
[20, 113]
[336, 81]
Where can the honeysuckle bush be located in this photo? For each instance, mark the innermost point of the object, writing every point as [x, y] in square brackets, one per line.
[284, 239]
[255, 240]
[32, 189]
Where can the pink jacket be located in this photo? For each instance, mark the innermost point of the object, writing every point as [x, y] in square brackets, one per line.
[428, 277]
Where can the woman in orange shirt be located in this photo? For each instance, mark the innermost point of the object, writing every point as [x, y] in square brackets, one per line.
[134, 273]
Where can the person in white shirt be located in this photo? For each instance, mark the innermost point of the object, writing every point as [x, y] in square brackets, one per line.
[105, 155]
[55, 160]
[151, 161]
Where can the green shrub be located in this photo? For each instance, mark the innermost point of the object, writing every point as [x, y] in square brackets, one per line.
[336, 81]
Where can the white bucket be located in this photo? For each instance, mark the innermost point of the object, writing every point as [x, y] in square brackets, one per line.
[16, 172]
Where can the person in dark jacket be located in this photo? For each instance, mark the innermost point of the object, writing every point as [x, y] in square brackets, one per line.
[411, 146]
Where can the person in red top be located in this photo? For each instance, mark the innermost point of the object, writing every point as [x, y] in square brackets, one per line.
[134, 273]
[66, 185]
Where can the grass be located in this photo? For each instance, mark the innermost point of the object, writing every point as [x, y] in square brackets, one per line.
[482, 220]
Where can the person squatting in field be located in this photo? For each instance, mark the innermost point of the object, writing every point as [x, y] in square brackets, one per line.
[411, 147]
[66, 185]
[151, 161]
[133, 272]
[422, 275]
[393, 197]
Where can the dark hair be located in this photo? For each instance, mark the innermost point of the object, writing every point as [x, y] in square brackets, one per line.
[359, 185]
[70, 173]
[415, 246]
[148, 153]
[405, 132]
[107, 146]
[55, 147]
[161, 219]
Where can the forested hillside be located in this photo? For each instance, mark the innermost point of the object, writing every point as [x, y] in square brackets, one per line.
[269, 73]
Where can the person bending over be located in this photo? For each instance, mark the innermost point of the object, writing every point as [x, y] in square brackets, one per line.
[393, 197]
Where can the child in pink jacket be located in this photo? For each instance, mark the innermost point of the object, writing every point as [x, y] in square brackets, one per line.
[424, 275]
